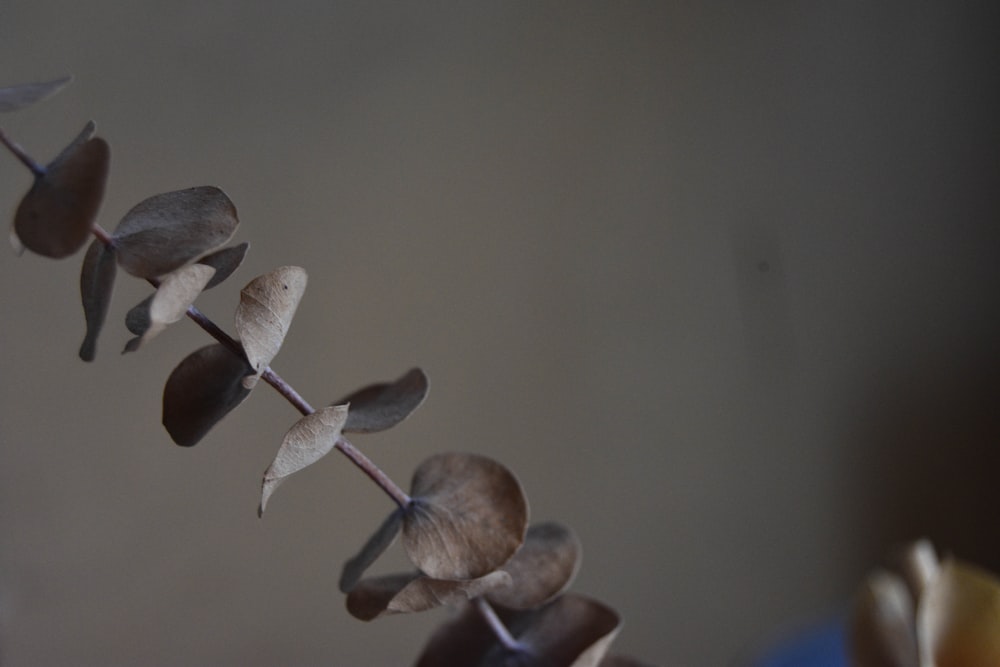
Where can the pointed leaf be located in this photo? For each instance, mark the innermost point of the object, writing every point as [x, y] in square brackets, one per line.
[409, 593]
[267, 306]
[309, 440]
[57, 214]
[202, 390]
[542, 568]
[224, 262]
[97, 284]
[22, 95]
[882, 632]
[373, 548]
[166, 231]
[572, 631]
[177, 291]
[381, 406]
[959, 618]
[467, 517]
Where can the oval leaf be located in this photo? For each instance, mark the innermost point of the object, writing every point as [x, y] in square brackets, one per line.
[309, 440]
[174, 295]
[22, 95]
[267, 306]
[203, 389]
[167, 231]
[409, 593]
[224, 262]
[542, 568]
[97, 284]
[467, 516]
[381, 406]
[959, 618]
[882, 632]
[55, 218]
[374, 547]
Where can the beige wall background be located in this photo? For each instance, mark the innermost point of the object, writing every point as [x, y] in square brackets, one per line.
[717, 280]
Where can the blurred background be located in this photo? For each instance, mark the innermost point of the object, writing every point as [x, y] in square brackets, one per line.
[718, 281]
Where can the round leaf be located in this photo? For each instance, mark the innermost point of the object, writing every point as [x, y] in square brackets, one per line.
[381, 406]
[97, 283]
[542, 568]
[409, 593]
[267, 306]
[203, 389]
[167, 231]
[467, 517]
[310, 439]
[57, 214]
[224, 262]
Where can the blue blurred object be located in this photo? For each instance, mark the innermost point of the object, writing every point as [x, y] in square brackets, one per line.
[824, 645]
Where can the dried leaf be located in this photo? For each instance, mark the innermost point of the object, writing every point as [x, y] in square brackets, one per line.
[137, 319]
[310, 439]
[22, 95]
[381, 406]
[224, 262]
[165, 232]
[882, 632]
[467, 517]
[410, 593]
[373, 548]
[542, 568]
[572, 631]
[176, 292]
[267, 306]
[57, 214]
[97, 284]
[202, 390]
[958, 619]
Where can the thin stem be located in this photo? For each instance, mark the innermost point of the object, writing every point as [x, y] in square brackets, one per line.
[496, 625]
[21, 154]
[365, 464]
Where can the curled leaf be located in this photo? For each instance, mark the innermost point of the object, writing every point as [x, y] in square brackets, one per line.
[376, 545]
[202, 390]
[97, 283]
[166, 231]
[572, 631]
[409, 593]
[176, 292]
[57, 214]
[467, 517]
[381, 406]
[542, 568]
[310, 439]
[22, 95]
[267, 306]
[224, 262]
[882, 632]
[958, 619]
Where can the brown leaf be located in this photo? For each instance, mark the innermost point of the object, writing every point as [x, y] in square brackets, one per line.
[542, 568]
[381, 406]
[267, 306]
[882, 632]
[224, 262]
[958, 619]
[202, 390]
[310, 439]
[97, 283]
[373, 548]
[57, 214]
[410, 593]
[572, 631]
[467, 517]
[22, 95]
[166, 231]
[176, 292]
